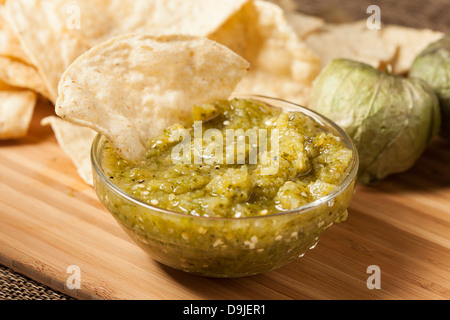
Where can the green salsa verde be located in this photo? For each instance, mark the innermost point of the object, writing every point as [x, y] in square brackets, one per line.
[229, 220]
[307, 164]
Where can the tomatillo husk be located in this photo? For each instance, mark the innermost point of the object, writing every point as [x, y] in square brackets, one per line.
[433, 66]
[391, 119]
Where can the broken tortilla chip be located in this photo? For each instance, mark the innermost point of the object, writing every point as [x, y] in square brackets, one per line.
[19, 74]
[391, 45]
[410, 42]
[76, 143]
[282, 65]
[352, 41]
[132, 87]
[286, 5]
[10, 45]
[304, 24]
[16, 111]
[16, 68]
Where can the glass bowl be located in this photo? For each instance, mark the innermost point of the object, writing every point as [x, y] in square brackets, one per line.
[227, 247]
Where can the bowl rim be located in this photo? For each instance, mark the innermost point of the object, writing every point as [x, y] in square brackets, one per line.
[351, 172]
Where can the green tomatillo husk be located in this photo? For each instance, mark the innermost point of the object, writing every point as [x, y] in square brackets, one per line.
[433, 66]
[391, 119]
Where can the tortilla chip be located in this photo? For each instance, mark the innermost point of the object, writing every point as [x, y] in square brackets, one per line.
[304, 24]
[391, 45]
[49, 32]
[76, 142]
[352, 41]
[271, 85]
[287, 5]
[410, 43]
[133, 87]
[281, 63]
[16, 68]
[19, 74]
[16, 111]
[10, 45]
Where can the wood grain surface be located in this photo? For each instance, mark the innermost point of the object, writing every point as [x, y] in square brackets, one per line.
[50, 220]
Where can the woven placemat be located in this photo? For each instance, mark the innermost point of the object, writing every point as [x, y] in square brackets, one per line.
[14, 286]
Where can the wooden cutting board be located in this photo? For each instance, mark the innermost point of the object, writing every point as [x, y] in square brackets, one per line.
[50, 220]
